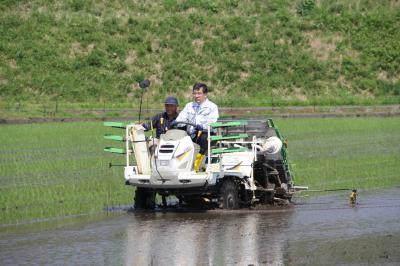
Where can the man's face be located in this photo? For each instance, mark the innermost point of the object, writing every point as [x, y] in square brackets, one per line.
[171, 109]
[199, 96]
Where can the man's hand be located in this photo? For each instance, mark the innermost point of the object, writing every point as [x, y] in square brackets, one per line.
[199, 128]
[140, 127]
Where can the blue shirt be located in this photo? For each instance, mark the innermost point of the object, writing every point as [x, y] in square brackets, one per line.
[161, 125]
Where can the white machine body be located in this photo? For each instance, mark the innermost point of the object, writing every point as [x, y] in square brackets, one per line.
[171, 165]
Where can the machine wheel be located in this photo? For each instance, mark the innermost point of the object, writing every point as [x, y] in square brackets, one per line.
[268, 198]
[228, 196]
[145, 199]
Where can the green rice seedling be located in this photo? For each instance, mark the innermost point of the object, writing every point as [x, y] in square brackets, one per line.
[344, 152]
[60, 169]
[50, 170]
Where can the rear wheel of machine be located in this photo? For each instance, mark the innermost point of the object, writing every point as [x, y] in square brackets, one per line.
[145, 199]
[228, 197]
[268, 197]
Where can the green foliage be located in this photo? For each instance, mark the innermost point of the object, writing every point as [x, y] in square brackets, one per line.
[304, 7]
[77, 5]
[333, 51]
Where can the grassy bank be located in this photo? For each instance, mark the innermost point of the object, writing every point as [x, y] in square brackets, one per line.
[59, 169]
[251, 52]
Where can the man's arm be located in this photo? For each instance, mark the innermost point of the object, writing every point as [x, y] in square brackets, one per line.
[146, 126]
[183, 115]
[213, 116]
[154, 120]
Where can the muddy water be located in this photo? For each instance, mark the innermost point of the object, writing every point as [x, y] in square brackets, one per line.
[319, 231]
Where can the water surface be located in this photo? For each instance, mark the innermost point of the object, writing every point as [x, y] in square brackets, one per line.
[319, 231]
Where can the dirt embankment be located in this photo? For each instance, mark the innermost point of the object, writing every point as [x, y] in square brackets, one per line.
[229, 112]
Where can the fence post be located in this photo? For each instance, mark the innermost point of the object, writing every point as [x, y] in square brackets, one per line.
[56, 110]
[272, 101]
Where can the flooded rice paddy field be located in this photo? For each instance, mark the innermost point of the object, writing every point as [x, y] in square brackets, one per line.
[322, 230]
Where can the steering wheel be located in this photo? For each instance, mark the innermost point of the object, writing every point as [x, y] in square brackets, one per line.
[176, 123]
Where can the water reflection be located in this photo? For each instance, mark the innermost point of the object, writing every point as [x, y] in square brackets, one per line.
[324, 229]
[207, 238]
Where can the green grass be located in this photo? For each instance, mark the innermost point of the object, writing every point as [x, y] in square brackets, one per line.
[60, 169]
[251, 52]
